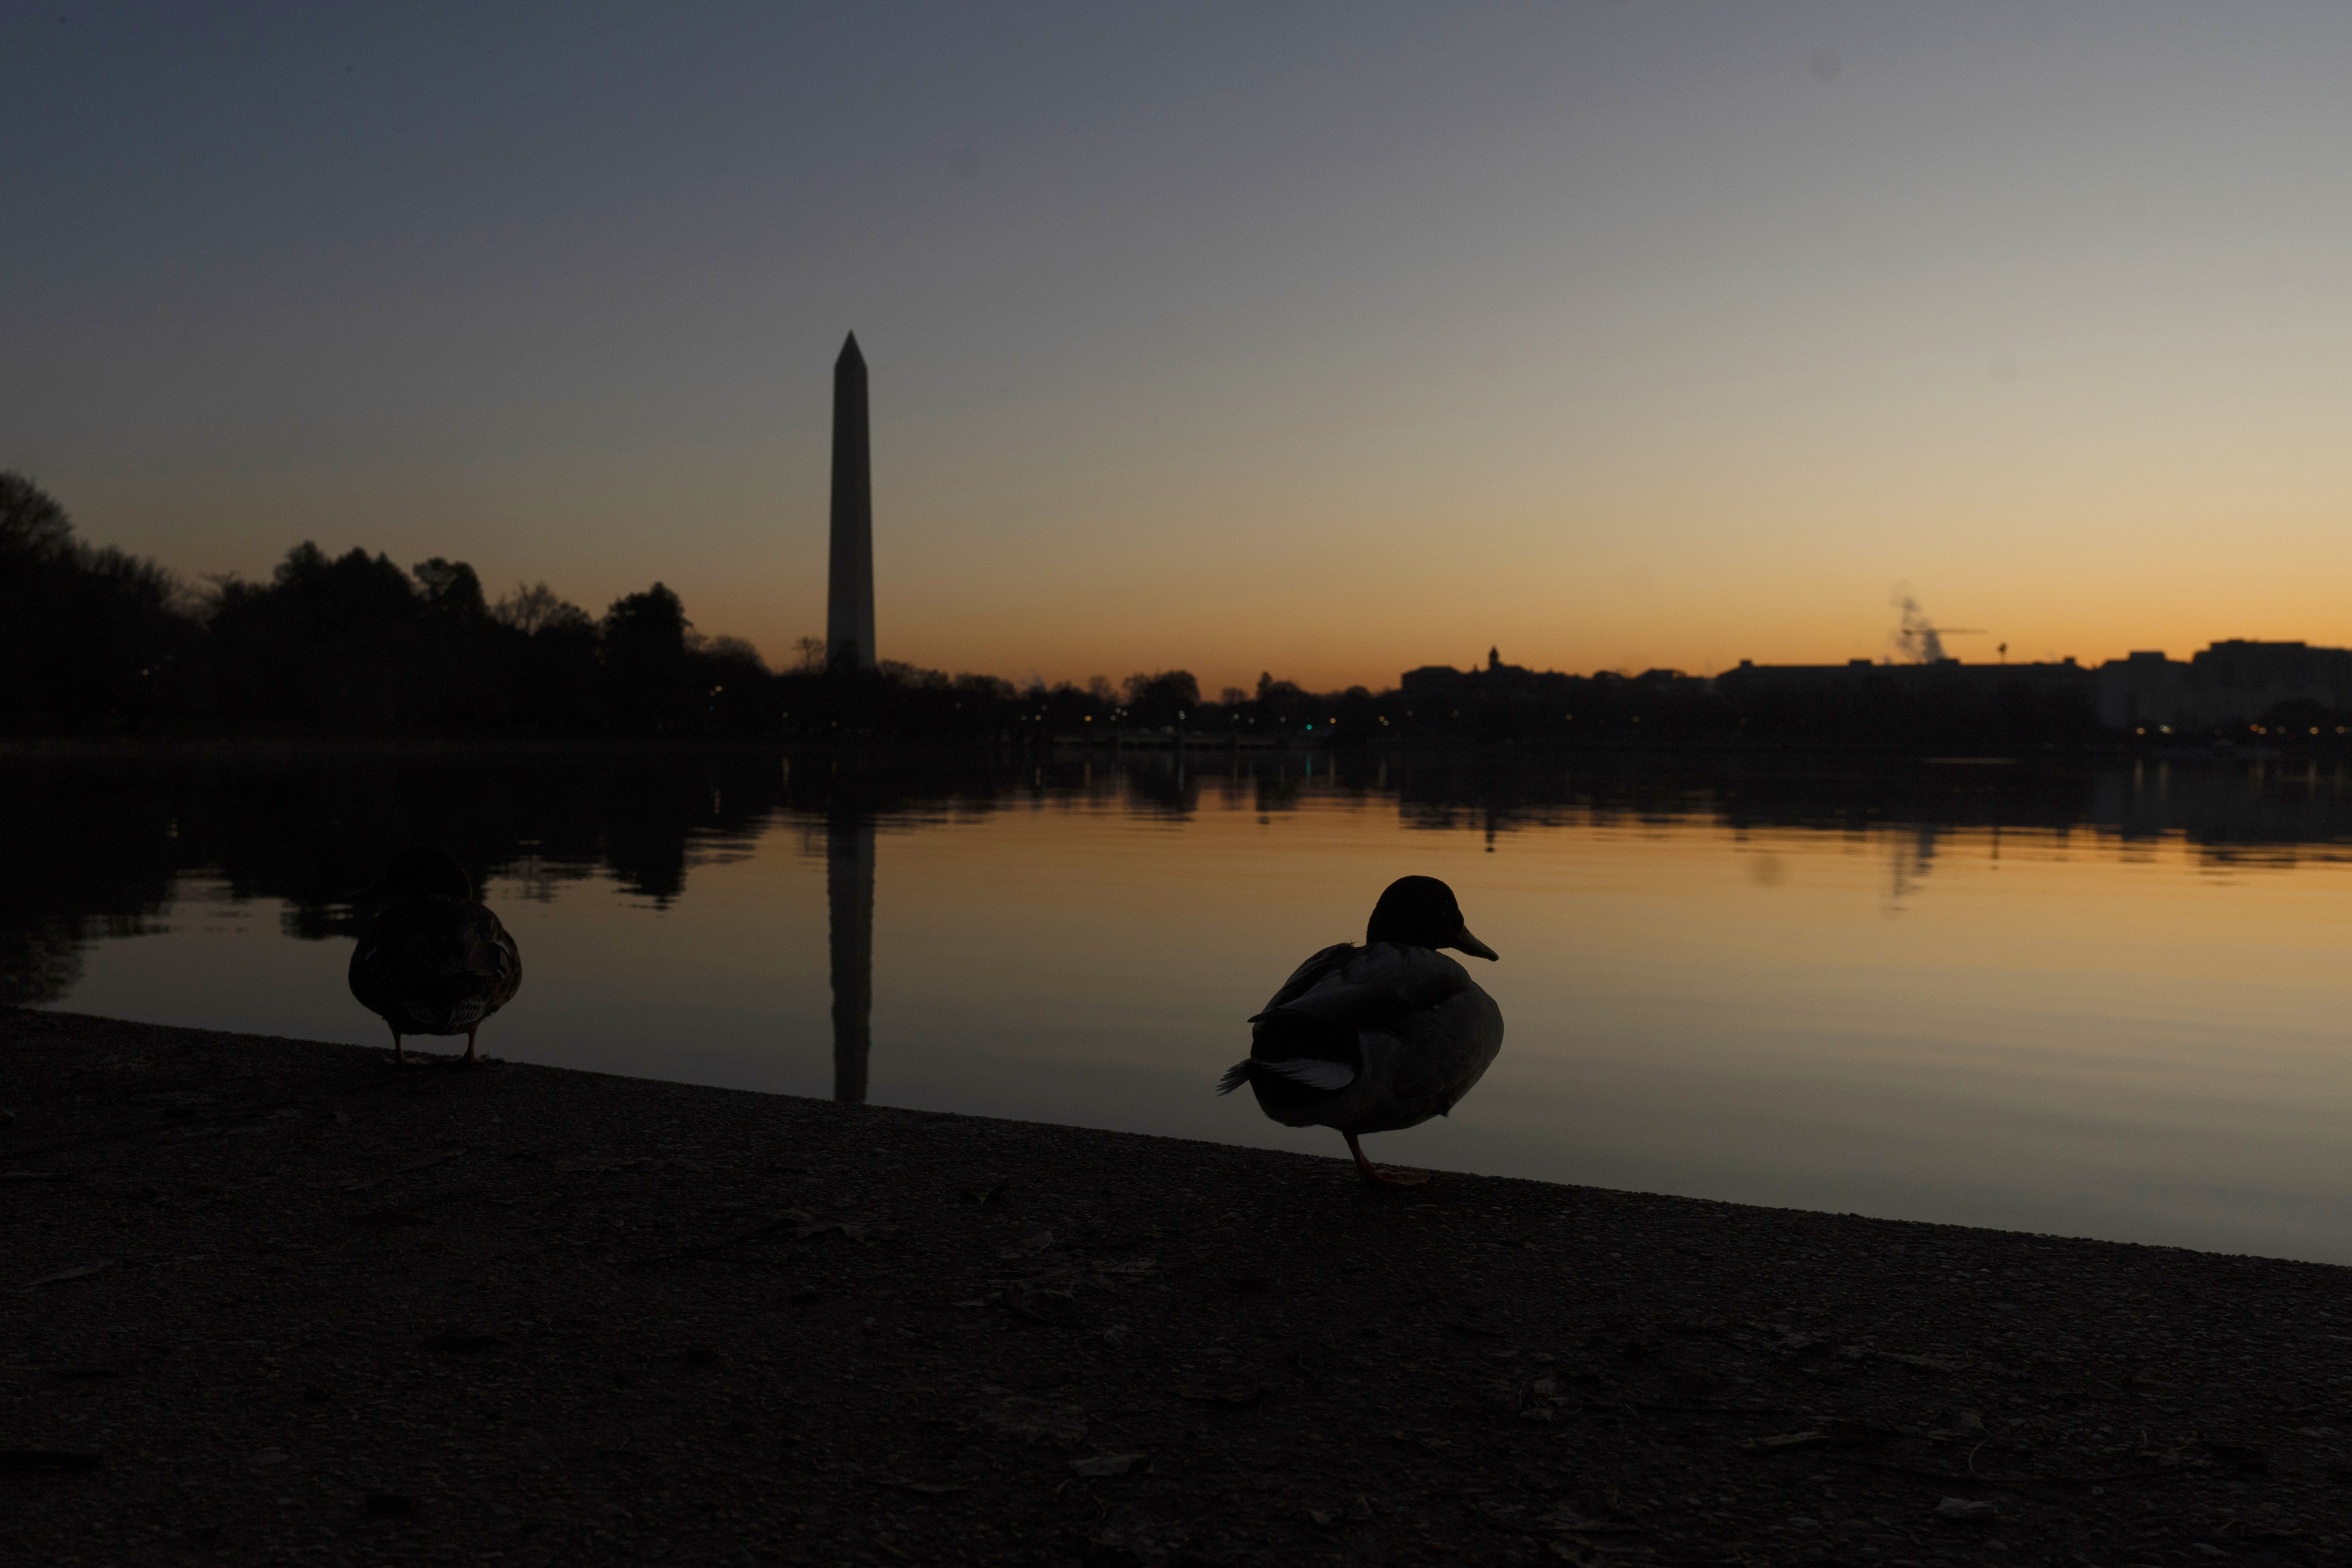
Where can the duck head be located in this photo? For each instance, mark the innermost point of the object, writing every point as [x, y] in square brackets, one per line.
[1419, 912]
[419, 873]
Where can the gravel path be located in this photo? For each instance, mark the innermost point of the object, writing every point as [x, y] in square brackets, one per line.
[268, 1300]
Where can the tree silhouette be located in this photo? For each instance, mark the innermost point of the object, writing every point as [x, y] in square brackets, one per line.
[90, 638]
[451, 587]
[534, 609]
[1170, 697]
[645, 660]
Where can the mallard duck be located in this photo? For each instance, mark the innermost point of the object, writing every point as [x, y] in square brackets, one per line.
[431, 960]
[1376, 1037]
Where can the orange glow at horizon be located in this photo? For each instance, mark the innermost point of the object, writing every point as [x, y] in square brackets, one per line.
[1610, 337]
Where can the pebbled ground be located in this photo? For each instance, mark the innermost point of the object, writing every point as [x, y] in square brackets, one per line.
[266, 1300]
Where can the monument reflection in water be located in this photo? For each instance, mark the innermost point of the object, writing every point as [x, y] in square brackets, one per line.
[849, 907]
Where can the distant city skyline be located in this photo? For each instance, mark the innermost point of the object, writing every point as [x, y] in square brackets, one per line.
[1326, 341]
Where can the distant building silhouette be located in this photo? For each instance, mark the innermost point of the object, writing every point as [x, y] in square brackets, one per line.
[849, 596]
[1931, 678]
[2229, 683]
[1433, 686]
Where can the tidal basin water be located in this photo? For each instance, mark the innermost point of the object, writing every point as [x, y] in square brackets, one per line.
[2093, 1001]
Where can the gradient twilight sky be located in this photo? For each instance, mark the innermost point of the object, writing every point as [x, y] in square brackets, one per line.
[1328, 340]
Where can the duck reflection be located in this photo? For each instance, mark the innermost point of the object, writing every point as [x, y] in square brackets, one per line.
[849, 894]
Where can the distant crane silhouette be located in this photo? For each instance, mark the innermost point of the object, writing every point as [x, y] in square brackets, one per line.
[1928, 639]
[1921, 638]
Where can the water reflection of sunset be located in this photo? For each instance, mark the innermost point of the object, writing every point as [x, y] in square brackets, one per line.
[2067, 1003]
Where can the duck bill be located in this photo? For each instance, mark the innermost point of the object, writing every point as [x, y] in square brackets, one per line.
[1470, 944]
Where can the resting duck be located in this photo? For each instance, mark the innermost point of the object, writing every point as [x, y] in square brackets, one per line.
[1376, 1037]
[430, 960]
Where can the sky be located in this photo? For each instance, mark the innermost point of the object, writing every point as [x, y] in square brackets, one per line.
[1328, 340]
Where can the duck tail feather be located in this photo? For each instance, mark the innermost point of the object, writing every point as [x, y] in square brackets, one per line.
[1235, 1076]
[1313, 1072]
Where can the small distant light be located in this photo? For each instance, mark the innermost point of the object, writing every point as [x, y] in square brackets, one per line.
[2139, 731]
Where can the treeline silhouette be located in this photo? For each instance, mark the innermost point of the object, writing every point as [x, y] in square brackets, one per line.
[93, 641]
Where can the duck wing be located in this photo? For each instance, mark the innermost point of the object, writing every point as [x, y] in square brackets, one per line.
[1433, 1057]
[436, 966]
[1332, 960]
[1368, 987]
[1342, 1017]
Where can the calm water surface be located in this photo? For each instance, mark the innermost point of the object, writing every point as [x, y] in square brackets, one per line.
[2104, 1003]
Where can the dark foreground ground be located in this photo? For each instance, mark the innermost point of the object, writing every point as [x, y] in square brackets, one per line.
[266, 1300]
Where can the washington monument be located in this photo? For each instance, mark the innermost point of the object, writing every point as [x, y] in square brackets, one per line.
[849, 596]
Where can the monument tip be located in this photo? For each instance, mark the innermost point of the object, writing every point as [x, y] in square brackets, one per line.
[849, 353]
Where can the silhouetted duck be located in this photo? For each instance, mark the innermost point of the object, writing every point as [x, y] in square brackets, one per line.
[1376, 1037]
[431, 960]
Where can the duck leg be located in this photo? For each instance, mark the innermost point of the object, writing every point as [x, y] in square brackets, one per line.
[469, 1043]
[1372, 1173]
[399, 1057]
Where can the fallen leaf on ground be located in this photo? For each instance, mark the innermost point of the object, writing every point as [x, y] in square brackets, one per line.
[1964, 1509]
[1029, 1246]
[1035, 1420]
[1844, 1433]
[1232, 1394]
[1055, 1309]
[84, 1272]
[1107, 1464]
[1786, 1440]
[856, 1229]
[2237, 1455]
[411, 1168]
[1469, 1326]
[1568, 1519]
